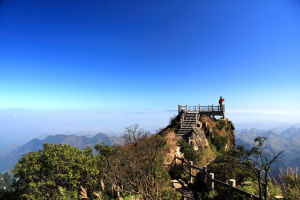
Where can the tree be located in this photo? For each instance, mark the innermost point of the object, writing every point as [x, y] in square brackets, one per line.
[133, 134]
[137, 168]
[229, 166]
[40, 174]
[6, 181]
[261, 161]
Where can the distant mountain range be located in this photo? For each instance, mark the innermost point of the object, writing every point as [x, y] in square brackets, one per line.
[9, 158]
[287, 141]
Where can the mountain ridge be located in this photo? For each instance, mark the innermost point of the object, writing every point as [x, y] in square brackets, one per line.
[287, 140]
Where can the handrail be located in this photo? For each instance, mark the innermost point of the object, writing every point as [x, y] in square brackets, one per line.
[212, 180]
[198, 108]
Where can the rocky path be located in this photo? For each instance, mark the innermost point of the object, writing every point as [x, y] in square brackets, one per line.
[187, 193]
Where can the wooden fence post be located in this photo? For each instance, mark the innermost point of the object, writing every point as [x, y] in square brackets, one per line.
[182, 164]
[175, 159]
[231, 185]
[211, 183]
[190, 172]
[205, 172]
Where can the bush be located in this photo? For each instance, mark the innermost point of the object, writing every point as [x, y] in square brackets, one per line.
[211, 195]
[188, 150]
[175, 172]
[221, 124]
[219, 141]
[138, 169]
[174, 121]
[228, 165]
[289, 183]
[41, 173]
[227, 128]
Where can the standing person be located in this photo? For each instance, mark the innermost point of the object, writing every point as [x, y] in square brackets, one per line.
[221, 102]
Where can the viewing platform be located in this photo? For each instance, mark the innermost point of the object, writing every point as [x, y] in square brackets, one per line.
[209, 110]
[190, 116]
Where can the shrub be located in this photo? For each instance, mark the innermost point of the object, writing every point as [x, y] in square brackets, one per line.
[227, 128]
[41, 173]
[219, 142]
[175, 172]
[174, 121]
[188, 150]
[289, 183]
[221, 124]
[211, 195]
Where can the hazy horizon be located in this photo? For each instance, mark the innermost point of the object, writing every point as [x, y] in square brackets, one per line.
[20, 125]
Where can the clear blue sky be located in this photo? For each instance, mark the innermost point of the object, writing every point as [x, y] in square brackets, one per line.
[150, 55]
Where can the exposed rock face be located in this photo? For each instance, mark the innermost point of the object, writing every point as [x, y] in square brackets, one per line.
[202, 137]
[198, 139]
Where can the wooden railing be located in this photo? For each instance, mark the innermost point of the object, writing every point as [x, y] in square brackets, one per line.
[198, 108]
[188, 168]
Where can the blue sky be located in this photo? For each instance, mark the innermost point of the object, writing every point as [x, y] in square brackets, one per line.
[148, 56]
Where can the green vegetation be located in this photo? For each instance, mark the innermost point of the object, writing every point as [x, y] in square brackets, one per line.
[219, 142]
[174, 122]
[188, 150]
[132, 170]
[221, 124]
[5, 181]
[250, 169]
[206, 156]
[289, 183]
[136, 170]
[228, 166]
[41, 173]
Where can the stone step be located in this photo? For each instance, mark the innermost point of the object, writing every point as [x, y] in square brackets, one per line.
[184, 131]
